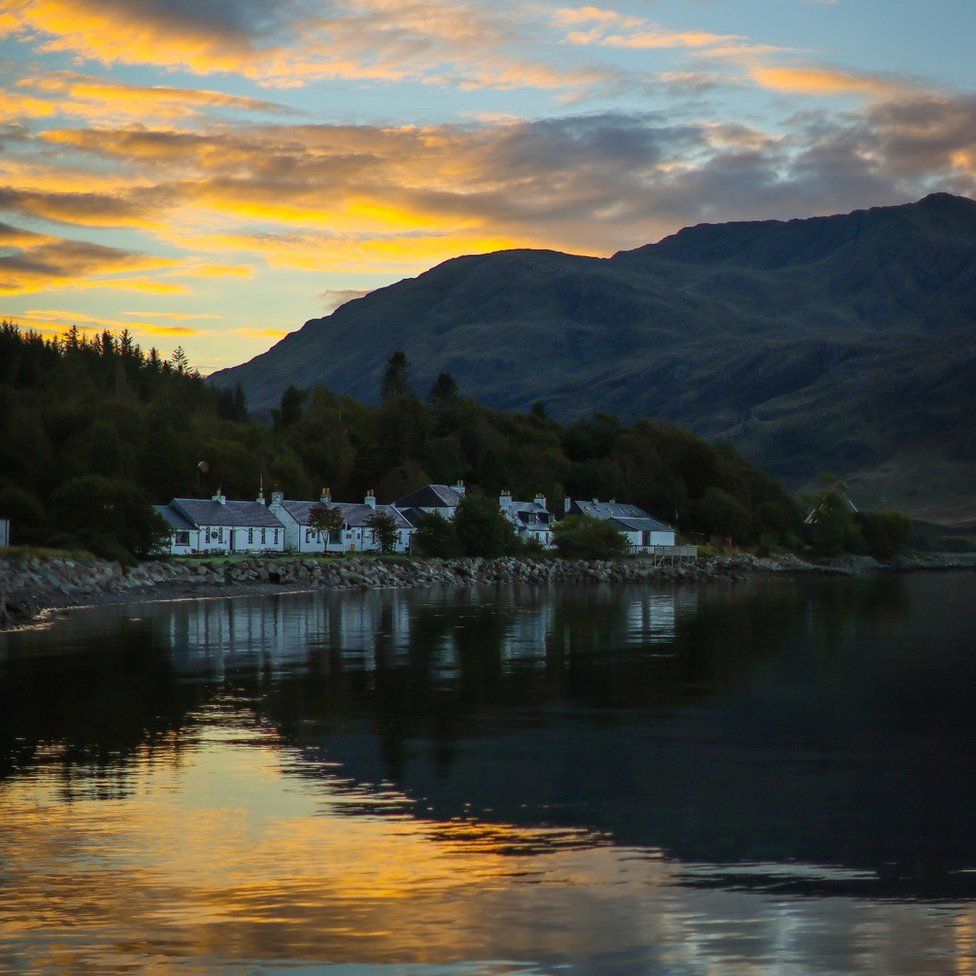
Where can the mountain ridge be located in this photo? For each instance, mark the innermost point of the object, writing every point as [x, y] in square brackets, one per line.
[818, 344]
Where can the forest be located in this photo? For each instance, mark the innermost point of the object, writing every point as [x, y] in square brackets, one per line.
[93, 429]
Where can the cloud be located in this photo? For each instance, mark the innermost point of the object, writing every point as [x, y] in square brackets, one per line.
[596, 26]
[282, 44]
[63, 317]
[66, 93]
[333, 298]
[824, 81]
[396, 199]
[32, 262]
[268, 333]
[126, 209]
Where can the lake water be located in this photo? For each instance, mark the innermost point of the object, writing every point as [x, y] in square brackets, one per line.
[773, 778]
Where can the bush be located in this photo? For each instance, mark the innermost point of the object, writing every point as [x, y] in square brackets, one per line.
[109, 517]
[582, 537]
[482, 529]
[885, 533]
[436, 536]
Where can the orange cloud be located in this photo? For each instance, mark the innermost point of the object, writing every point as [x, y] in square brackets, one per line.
[445, 42]
[83, 320]
[97, 100]
[608, 28]
[823, 81]
[249, 333]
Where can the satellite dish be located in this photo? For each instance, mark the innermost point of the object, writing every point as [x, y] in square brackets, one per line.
[203, 467]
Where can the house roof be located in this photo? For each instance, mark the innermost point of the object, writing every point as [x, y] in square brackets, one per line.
[623, 513]
[413, 515]
[354, 514]
[176, 521]
[528, 514]
[431, 496]
[641, 525]
[205, 511]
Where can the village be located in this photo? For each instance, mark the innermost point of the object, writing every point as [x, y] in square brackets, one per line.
[222, 526]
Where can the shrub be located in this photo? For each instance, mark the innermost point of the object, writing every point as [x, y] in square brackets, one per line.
[885, 533]
[436, 536]
[482, 529]
[385, 530]
[582, 537]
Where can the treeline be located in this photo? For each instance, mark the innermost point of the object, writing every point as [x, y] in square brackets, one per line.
[130, 425]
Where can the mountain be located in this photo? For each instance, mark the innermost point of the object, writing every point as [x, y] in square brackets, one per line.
[842, 344]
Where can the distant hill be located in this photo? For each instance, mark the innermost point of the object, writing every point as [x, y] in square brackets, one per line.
[844, 344]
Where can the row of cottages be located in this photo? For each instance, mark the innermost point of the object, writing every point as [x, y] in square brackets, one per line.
[642, 531]
[218, 526]
[357, 536]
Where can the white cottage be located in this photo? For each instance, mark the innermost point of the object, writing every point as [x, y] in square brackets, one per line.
[216, 526]
[356, 536]
[641, 529]
[532, 520]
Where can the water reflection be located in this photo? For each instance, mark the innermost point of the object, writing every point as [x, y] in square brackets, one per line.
[589, 781]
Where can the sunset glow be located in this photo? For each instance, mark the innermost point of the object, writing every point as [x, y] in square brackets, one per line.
[240, 162]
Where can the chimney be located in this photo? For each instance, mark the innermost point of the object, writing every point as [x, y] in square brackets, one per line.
[260, 498]
[326, 497]
[567, 504]
[540, 500]
[277, 496]
[370, 499]
[459, 487]
[220, 498]
[505, 499]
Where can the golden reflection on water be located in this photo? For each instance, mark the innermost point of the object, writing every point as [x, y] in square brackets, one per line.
[220, 856]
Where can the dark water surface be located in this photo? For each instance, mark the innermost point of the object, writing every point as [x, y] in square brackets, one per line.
[776, 778]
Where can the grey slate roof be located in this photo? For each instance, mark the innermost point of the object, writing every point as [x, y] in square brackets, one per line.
[431, 496]
[530, 514]
[641, 520]
[413, 515]
[176, 521]
[354, 514]
[641, 525]
[233, 514]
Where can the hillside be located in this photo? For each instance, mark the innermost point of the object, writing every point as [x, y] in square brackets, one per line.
[843, 344]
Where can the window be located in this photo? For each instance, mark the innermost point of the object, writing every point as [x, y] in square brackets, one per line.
[182, 537]
[250, 535]
[276, 536]
[263, 540]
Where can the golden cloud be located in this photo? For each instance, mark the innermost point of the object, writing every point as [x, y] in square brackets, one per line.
[608, 28]
[87, 321]
[97, 100]
[823, 81]
[445, 42]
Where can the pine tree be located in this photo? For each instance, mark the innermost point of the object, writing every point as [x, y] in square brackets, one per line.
[444, 392]
[396, 382]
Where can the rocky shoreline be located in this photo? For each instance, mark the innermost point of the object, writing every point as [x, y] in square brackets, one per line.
[30, 586]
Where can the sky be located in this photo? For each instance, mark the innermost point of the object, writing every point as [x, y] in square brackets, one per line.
[213, 173]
